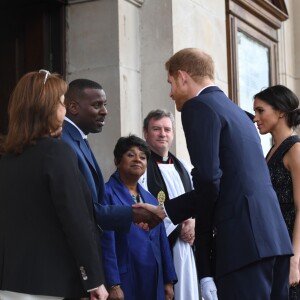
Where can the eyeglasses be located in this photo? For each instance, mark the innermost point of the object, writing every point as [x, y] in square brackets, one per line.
[47, 73]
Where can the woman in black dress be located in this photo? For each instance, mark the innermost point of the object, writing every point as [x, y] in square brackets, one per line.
[277, 112]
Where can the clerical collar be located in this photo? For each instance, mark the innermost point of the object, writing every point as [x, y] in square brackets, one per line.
[161, 159]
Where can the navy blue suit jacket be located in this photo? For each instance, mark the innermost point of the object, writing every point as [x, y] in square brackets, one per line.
[233, 192]
[108, 217]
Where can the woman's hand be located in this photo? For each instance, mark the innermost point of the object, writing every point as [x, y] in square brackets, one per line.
[294, 271]
[116, 293]
[169, 291]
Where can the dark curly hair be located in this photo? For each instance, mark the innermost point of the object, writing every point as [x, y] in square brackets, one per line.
[125, 143]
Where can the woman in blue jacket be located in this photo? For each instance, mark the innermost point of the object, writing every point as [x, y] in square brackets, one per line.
[138, 264]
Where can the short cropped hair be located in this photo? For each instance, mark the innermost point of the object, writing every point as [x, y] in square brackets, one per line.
[195, 62]
[125, 143]
[77, 87]
[157, 115]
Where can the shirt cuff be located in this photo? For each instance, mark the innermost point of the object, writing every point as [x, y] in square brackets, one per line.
[164, 210]
[91, 290]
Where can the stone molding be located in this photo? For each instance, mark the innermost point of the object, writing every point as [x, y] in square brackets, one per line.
[138, 3]
[77, 1]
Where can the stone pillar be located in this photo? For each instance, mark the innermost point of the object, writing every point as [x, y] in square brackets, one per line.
[156, 48]
[103, 45]
[168, 26]
[123, 45]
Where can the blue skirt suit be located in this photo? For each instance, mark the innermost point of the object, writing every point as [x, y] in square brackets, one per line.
[140, 261]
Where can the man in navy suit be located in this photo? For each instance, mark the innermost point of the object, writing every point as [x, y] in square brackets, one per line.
[241, 238]
[86, 110]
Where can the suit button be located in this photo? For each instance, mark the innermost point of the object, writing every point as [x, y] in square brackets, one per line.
[83, 274]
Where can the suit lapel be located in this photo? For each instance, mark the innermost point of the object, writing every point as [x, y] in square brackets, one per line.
[146, 196]
[89, 156]
[76, 136]
[120, 190]
[86, 152]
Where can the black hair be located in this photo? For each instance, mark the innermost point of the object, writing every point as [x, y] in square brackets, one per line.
[282, 99]
[125, 143]
[77, 86]
[82, 84]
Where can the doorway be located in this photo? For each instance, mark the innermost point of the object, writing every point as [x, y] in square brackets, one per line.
[32, 34]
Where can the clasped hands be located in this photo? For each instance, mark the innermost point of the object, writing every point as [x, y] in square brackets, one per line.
[147, 216]
[187, 233]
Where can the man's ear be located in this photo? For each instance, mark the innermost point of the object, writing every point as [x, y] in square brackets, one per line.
[73, 107]
[145, 134]
[182, 75]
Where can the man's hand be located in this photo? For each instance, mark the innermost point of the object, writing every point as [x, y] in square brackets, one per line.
[208, 289]
[99, 294]
[147, 213]
[187, 233]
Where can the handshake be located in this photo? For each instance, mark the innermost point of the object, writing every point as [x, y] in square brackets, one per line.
[148, 216]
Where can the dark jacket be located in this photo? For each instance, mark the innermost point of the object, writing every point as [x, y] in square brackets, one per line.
[233, 193]
[48, 237]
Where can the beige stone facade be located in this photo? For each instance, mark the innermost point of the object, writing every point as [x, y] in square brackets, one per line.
[123, 45]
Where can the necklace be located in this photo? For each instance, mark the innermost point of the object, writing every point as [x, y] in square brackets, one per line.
[136, 198]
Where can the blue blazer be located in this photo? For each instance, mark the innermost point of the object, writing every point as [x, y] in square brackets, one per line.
[233, 196]
[139, 260]
[108, 217]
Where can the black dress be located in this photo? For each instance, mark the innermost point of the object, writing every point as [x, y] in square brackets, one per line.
[283, 186]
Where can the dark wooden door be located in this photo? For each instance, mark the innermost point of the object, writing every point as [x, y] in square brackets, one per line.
[32, 37]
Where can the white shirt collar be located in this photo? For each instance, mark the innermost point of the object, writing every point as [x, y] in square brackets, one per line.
[84, 136]
[205, 88]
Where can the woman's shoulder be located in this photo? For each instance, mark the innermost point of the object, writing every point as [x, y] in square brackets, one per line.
[294, 139]
[54, 143]
[294, 148]
[147, 196]
[292, 142]
[291, 154]
[57, 150]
